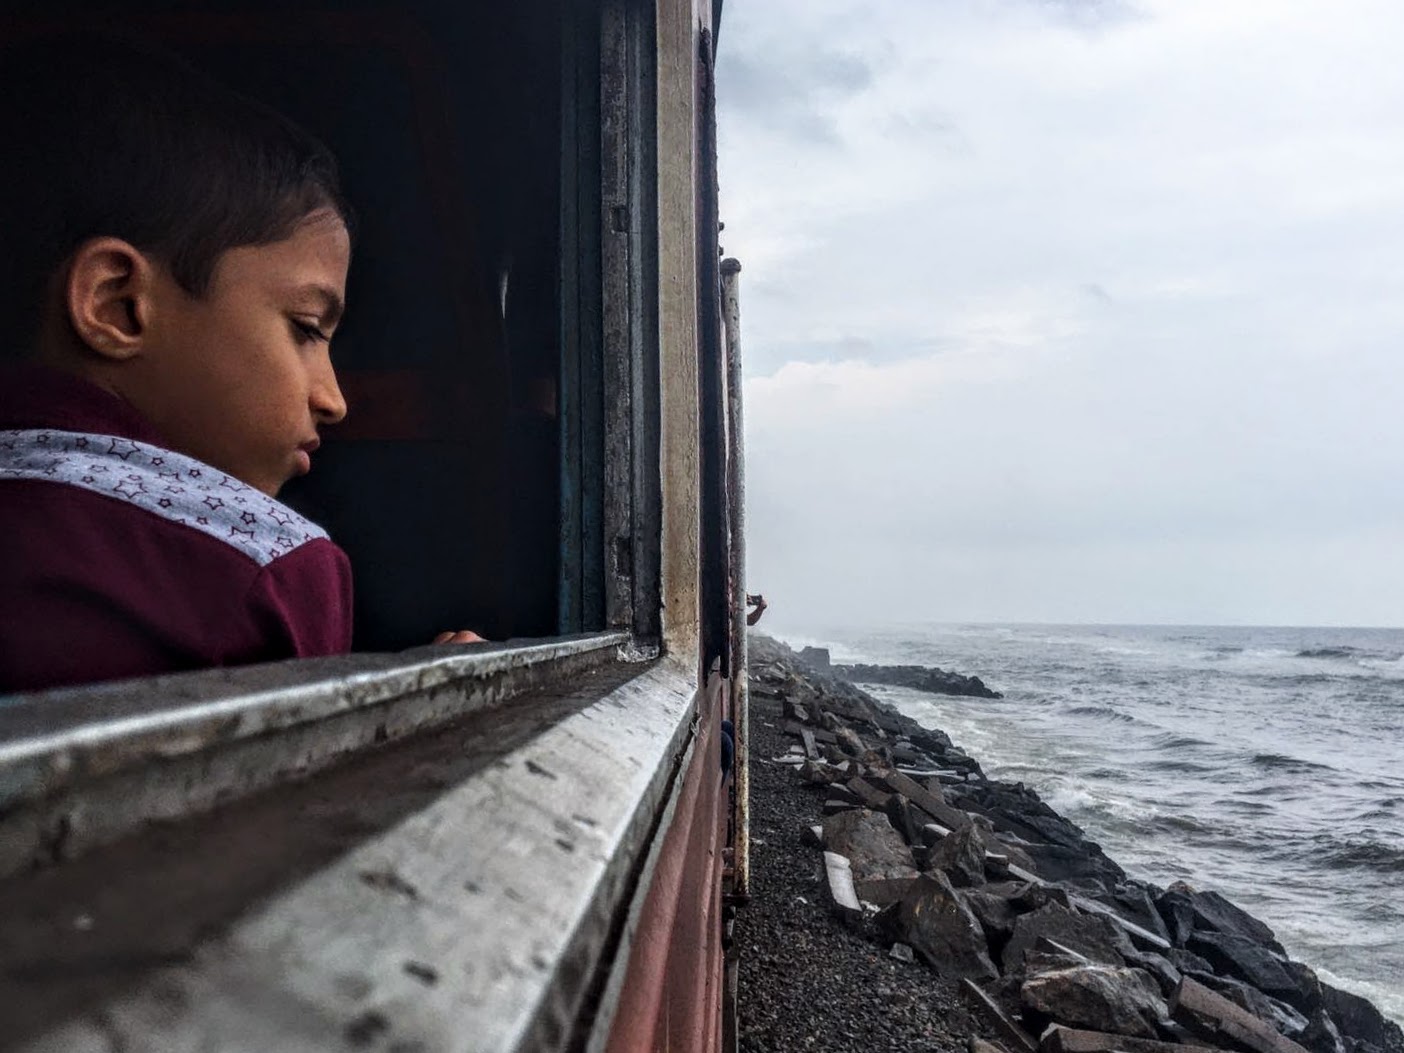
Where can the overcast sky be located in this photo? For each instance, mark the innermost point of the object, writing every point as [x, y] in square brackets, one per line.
[1067, 310]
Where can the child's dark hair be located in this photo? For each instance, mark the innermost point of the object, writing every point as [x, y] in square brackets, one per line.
[101, 136]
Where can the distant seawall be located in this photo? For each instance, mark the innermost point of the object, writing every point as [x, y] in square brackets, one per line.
[930, 679]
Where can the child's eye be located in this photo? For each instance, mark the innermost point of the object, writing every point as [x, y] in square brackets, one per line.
[308, 333]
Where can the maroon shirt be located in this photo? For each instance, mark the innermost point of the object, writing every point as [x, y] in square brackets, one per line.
[119, 558]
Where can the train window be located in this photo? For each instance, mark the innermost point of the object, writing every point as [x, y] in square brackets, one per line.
[498, 469]
[465, 483]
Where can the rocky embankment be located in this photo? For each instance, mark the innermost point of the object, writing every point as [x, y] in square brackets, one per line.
[900, 844]
[931, 679]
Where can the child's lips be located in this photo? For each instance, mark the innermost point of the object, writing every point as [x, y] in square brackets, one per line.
[304, 455]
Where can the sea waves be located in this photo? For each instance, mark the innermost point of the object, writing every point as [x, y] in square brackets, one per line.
[1261, 762]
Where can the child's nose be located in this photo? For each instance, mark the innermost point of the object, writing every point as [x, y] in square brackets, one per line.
[328, 403]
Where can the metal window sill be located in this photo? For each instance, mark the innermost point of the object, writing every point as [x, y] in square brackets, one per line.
[478, 919]
[83, 766]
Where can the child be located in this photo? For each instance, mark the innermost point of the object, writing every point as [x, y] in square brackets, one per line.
[174, 267]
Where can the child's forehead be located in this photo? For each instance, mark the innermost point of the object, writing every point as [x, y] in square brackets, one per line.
[312, 261]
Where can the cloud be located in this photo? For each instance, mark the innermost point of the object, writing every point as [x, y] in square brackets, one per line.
[792, 93]
[1089, 14]
[1079, 311]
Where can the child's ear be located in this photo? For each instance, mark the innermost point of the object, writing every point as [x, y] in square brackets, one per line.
[108, 297]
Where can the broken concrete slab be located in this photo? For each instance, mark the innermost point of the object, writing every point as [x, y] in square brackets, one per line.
[869, 794]
[794, 727]
[943, 774]
[1138, 934]
[1019, 873]
[1047, 943]
[1017, 1037]
[931, 803]
[1200, 1005]
[838, 790]
[842, 894]
[931, 833]
[1000, 852]
[1060, 1039]
[1101, 997]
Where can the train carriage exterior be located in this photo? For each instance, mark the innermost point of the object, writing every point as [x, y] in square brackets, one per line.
[512, 846]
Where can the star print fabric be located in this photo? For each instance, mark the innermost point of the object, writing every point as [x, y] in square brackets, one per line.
[167, 484]
[119, 558]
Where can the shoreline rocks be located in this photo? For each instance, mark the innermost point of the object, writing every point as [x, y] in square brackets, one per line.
[1055, 948]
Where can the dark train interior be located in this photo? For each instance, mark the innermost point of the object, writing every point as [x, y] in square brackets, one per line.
[469, 352]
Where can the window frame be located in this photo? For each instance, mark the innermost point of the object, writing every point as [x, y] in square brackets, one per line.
[268, 717]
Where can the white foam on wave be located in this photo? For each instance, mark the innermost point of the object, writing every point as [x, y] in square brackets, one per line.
[838, 652]
[1389, 668]
[1075, 796]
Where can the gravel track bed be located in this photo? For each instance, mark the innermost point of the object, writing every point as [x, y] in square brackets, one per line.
[807, 980]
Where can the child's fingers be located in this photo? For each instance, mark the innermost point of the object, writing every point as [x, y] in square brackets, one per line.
[462, 636]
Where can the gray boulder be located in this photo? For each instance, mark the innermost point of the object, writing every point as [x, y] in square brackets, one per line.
[1158, 966]
[1246, 959]
[1100, 997]
[1188, 961]
[961, 857]
[1096, 937]
[935, 922]
[996, 913]
[1185, 910]
[1322, 1035]
[849, 742]
[903, 820]
[1312, 998]
[873, 848]
[1133, 902]
[1359, 1021]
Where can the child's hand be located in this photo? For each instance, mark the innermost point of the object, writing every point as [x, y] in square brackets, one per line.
[462, 636]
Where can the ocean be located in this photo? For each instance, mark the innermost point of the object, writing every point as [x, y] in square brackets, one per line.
[1266, 763]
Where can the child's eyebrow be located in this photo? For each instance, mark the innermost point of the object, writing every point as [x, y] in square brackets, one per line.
[332, 305]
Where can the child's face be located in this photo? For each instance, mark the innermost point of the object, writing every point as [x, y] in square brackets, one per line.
[241, 377]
